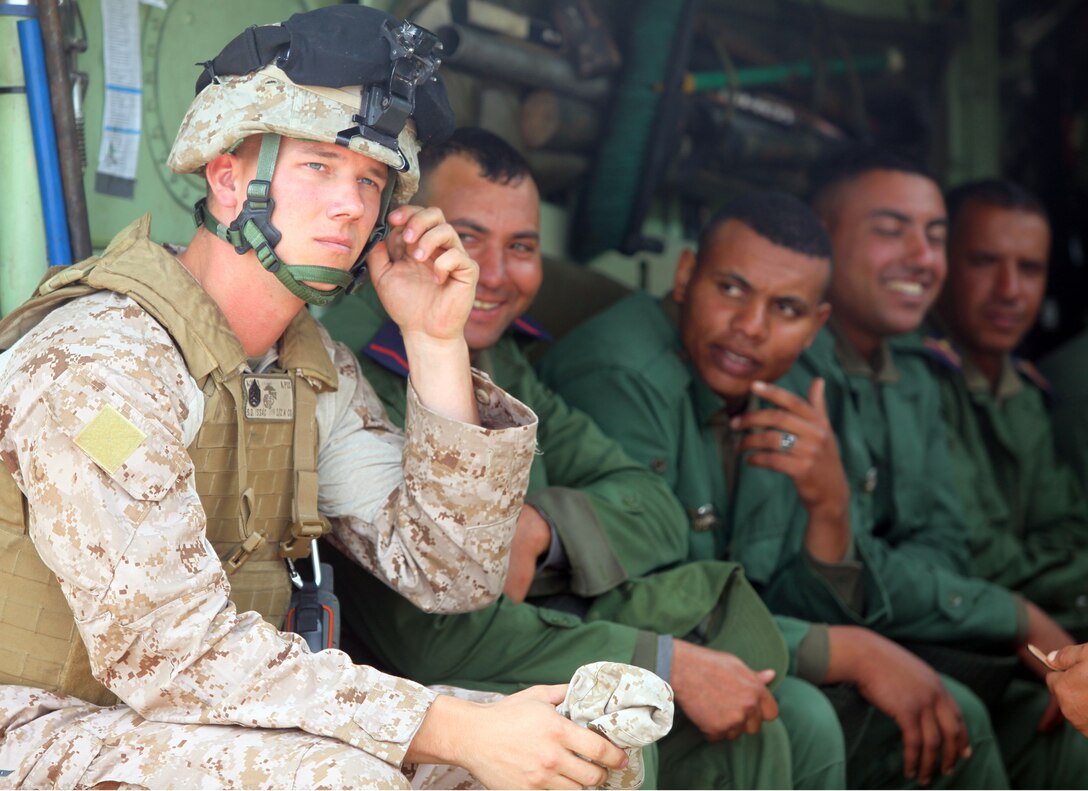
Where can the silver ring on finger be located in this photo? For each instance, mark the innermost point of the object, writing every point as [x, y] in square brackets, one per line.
[787, 441]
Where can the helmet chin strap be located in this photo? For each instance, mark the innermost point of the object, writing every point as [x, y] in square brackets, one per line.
[253, 230]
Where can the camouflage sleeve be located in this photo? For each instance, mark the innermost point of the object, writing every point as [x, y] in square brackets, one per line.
[95, 410]
[430, 512]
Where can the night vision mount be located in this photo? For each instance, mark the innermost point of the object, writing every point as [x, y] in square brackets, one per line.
[386, 106]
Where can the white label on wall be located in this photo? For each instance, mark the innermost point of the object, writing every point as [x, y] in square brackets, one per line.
[120, 148]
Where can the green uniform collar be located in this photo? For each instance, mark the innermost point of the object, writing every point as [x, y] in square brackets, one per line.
[884, 372]
[1009, 382]
[707, 403]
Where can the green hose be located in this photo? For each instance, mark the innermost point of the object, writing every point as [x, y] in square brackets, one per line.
[890, 61]
[620, 168]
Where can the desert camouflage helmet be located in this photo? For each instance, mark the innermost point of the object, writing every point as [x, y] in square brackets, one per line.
[267, 101]
[346, 74]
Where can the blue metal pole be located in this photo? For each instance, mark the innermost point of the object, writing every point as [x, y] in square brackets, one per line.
[45, 142]
[23, 251]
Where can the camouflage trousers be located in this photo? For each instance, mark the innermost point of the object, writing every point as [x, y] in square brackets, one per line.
[56, 741]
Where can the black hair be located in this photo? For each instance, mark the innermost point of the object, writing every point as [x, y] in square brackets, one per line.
[1001, 193]
[848, 163]
[499, 161]
[778, 217]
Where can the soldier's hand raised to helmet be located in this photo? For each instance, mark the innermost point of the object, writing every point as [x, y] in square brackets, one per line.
[427, 283]
[422, 274]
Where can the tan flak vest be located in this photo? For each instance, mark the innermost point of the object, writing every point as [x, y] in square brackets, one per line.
[255, 458]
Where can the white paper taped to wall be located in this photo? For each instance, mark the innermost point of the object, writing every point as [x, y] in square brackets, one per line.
[121, 116]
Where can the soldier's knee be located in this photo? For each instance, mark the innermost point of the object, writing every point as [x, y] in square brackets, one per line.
[809, 718]
[817, 746]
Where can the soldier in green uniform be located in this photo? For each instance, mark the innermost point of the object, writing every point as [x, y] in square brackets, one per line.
[1026, 513]
[1066, 368]
[887, 222]
[595, 526]
[680, 383]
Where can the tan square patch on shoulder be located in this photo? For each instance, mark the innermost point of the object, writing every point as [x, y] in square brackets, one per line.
[110, 438]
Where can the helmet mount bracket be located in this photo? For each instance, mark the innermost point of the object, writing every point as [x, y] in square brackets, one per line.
[386, 106]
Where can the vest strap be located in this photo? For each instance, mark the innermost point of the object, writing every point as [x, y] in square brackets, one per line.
[307, 523]
[251, 540]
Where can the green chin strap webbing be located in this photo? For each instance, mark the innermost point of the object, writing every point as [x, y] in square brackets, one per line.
[253, 230]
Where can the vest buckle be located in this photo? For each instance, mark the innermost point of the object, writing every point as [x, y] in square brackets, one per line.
[302, 532]
[65, 277]
[242, 552]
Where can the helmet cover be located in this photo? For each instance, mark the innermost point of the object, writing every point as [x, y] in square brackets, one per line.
[228, 111]
[305, 79]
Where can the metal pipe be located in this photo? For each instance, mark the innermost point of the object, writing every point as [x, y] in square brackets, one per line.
[22, 240]
[68, 137]
[557, 123]
[500, 58]
[45, 142]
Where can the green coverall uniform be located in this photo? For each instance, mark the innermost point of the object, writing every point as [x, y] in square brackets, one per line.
[1026, 513]
[1067, 370]
[894, 447]
[616, 522]
[628, 369]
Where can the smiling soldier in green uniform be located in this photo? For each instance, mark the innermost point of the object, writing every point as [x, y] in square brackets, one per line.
[1026, 512]
[595, 526]
[887, 222]
[680, 383]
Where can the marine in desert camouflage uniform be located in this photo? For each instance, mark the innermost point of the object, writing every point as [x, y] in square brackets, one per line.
[129, 377]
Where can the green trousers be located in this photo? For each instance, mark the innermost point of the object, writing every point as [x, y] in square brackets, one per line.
[803, 748]
[876, 757]
[708, 603]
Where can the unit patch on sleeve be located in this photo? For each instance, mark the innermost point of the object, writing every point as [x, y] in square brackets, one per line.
[110, 438]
